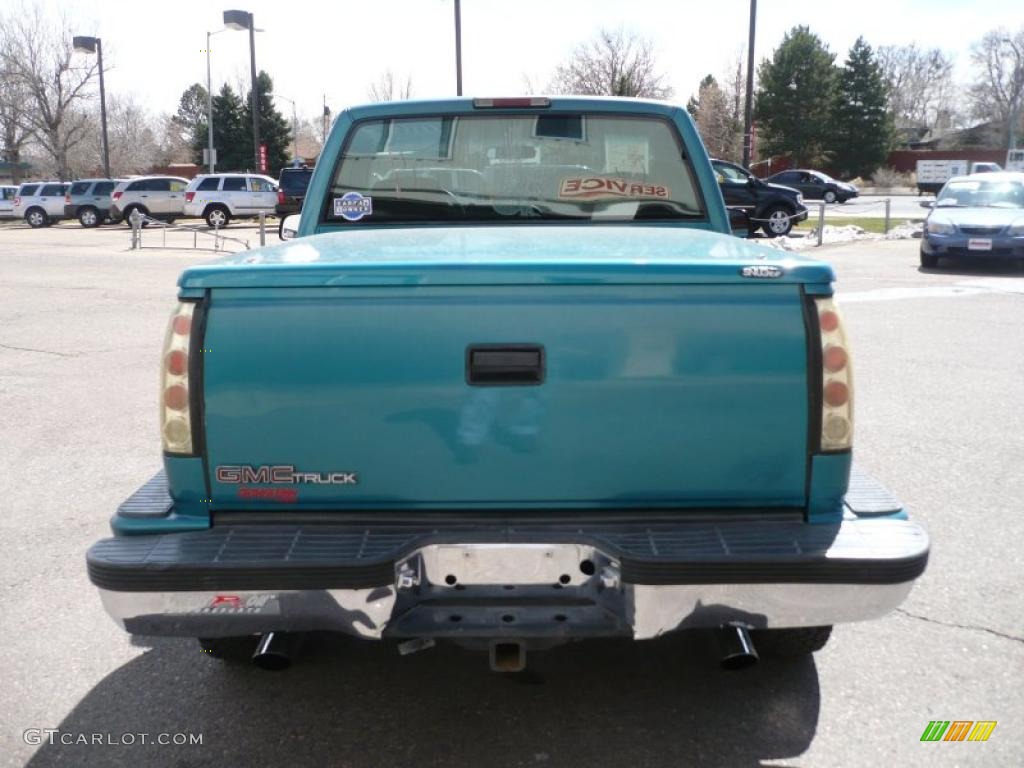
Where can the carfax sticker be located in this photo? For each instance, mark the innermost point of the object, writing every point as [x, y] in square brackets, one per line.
[598, 187]
[353, 206]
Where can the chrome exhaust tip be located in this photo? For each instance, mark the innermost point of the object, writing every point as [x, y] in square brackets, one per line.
[274, 652]
[736, 646]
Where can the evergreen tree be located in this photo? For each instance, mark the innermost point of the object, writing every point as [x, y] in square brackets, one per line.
[231, 136]
[190, 120]
[275, 130]
[861, 123]
[795, 98]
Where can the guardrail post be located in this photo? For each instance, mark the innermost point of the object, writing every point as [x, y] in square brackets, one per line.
[135, 218]
[821, 220]
[888, 202]
[263, 229]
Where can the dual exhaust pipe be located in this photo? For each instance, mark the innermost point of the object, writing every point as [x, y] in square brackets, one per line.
[275, 650]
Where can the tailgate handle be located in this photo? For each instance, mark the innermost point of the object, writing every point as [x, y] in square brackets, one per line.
[504, 365]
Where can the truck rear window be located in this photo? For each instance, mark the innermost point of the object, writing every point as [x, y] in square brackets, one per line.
[513, 168]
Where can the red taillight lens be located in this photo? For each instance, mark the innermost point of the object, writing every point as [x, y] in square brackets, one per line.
[17, 201]
[116, 196]
[189, 196]
[836, 394]
[837, 379]
[175, 415]
[834, 359]
[280, 197]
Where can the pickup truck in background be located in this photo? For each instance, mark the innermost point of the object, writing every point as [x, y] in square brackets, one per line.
[512, 384]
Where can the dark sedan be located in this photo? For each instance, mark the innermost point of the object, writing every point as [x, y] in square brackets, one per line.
[816, 185]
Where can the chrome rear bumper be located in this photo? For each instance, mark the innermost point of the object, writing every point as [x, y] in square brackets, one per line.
[530, 581]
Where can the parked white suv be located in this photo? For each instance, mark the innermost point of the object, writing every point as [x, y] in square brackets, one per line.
[7, 195]
[40, 203]
[220, 197]
[159, 197]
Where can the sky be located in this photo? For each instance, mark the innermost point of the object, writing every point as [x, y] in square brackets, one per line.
[335, 50]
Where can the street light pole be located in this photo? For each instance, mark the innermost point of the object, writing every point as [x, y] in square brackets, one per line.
[749, 105]
[209, 104]
[458, 48]
[95, 45]
[295, 127]
[244, 20]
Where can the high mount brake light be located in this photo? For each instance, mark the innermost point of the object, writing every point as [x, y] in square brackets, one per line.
[512, 103]
[175, 414]
[836, 377]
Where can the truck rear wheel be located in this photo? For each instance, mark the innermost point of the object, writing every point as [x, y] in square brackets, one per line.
[798, 641]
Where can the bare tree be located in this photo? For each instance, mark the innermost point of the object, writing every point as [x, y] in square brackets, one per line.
[998, 90]
[388, 89]
[14, 133]
[36, 54]
[615, 63]
[920, 83]
[713, 114]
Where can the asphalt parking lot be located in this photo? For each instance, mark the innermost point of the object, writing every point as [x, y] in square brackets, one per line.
[939, 359]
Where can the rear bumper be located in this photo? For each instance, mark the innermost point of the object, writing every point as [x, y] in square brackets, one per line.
[578, 576]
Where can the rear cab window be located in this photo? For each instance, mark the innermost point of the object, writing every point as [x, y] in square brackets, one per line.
[234, 184]
[27, 190]
[53, 190]
[103, 188]
[513, 169]
[209, 184]
[80, 187]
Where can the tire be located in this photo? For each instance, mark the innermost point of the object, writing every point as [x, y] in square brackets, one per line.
[829, 196]
[230, 649]
[929, 260]
[789, 643]
[36, 218]
[89, 217]
[778, 222]
[217, 217]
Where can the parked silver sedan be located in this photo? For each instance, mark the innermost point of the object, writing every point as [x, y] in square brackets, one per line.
[981, 215]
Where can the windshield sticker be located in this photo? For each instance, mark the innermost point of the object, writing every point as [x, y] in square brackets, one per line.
[599, 187]
[353, 206]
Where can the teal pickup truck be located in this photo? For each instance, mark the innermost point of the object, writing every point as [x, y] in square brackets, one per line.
[511, 382]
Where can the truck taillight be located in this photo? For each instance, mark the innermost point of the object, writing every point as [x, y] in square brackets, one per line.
[175, 413]
[189, 196]
[116, 196]
[281, 200]
[836, 379]
[17, 201]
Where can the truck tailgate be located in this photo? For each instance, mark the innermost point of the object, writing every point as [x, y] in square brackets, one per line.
[651, 395]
